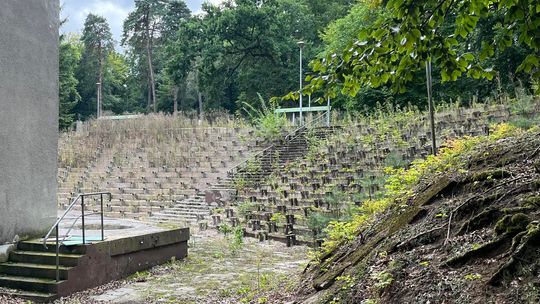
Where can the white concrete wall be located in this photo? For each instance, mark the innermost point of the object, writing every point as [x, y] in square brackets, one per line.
[28, 116]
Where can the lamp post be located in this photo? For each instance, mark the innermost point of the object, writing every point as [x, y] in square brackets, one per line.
[98, 99]
[301, 46]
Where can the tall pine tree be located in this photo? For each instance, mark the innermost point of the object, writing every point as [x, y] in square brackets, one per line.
[98, 44]
[147, 30]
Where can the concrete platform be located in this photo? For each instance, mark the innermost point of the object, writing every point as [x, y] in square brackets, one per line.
[129, 246]
[114, 228]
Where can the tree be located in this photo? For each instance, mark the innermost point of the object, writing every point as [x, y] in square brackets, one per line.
[395, 47]
[180, 53]
[98, 44]
[70, 54]
[115, 87]
[340, 32]
[325, 12]
[148, 28]
[250, 47]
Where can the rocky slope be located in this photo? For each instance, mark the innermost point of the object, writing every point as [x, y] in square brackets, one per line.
[468, 235]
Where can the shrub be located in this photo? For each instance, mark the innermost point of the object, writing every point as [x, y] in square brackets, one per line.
[270, 126]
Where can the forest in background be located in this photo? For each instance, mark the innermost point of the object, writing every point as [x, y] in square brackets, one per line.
[226, 56]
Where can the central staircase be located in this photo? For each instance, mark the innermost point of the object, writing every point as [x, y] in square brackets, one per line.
[284, 151]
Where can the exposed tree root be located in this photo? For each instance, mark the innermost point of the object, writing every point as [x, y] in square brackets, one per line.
[507, 228]
[527, 248]
[535, 152]
[490, 174]
[516, 240]
[489, 248]
[512, 224]
[472, 204]
[423, 238]
[481, 220]
[532, 201]
[488, 217]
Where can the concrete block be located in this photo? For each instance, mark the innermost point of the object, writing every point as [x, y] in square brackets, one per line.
[5, 250]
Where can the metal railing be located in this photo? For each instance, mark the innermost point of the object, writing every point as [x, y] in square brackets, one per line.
[56, 225]
[289, 137]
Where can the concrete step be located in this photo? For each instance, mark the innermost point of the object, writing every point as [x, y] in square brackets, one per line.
[188, 208]
[49, 258]
[181, 213]
[33, 270]
[175, 217]
[40, 297]
[38, 285]
[51, 247]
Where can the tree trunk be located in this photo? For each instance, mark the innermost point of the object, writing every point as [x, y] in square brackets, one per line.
[200, 106]
[152, 83]
[100, 81]
[148, 95]
[175, 98]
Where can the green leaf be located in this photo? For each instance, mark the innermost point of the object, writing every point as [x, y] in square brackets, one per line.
[530, 62]
[452, 41]
[468, 56]
[378, 34]
[403, 41]
[488, 74]
[416, 33]
[486, 51]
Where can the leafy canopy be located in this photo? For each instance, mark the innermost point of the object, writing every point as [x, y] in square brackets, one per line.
[396, 46]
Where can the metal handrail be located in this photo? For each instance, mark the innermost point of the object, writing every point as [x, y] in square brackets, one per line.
[305, 126]
[75, 222]
[287, 137]
[56, 225]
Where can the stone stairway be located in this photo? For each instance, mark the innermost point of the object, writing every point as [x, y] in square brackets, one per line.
[279, 155]
[197, 208]
[188, 211]
[31, 271]
[275, 158]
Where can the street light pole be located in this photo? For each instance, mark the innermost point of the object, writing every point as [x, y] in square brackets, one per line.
[429, 83]
[301, 45]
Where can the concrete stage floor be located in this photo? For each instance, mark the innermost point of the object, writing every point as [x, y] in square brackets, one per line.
[114, 228]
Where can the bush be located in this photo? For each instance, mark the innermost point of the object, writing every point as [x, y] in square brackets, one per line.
[270, 126]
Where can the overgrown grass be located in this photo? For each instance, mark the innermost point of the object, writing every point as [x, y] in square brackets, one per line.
[154, 131]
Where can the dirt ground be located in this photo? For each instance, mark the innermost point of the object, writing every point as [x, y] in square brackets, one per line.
[214, 272]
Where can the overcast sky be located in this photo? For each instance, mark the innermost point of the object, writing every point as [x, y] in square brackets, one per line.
[115, 11]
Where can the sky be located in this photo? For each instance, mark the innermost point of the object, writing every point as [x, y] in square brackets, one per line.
[115, 11]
